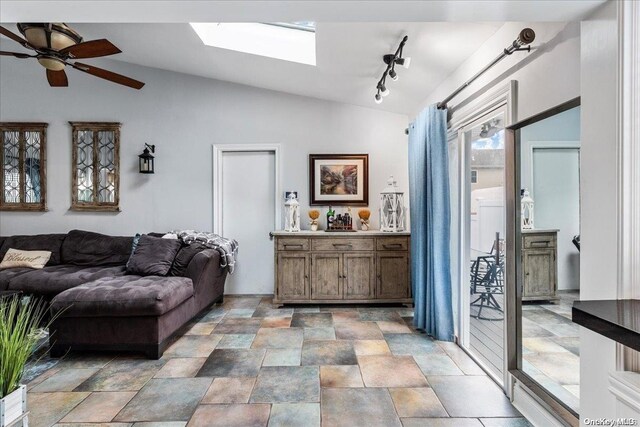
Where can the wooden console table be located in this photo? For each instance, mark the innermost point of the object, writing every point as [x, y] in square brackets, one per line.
[314, 267]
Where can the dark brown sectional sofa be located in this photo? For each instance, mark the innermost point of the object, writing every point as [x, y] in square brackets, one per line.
[99, 306]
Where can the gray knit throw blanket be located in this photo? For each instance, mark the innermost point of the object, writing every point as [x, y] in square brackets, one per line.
[227, 248]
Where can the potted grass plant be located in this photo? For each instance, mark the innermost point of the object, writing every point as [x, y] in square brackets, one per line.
[19, 335]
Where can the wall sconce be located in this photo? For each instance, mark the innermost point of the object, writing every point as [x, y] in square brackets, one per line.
[145, 159]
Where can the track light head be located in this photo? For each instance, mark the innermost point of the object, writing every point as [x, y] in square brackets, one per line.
[383, 90]
[378, 98]
[393, 75]
[405, 62]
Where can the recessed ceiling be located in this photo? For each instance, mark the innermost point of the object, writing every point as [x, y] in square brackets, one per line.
[348, 58]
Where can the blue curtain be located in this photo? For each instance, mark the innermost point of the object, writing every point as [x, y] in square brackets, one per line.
[430, 223]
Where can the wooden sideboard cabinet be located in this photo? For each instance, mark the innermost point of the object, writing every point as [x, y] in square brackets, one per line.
[342, 267]
[539, 264]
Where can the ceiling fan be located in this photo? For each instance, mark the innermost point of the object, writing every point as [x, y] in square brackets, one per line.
[56, 44]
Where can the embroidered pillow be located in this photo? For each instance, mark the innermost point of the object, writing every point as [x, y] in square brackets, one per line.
[30, 259]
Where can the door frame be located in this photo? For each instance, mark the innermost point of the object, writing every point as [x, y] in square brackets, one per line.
[477, 106]
[218, 154]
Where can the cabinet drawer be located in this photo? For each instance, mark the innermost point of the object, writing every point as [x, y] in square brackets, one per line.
[342, 245]
[392, 244]
[293, 244]
[538, 241]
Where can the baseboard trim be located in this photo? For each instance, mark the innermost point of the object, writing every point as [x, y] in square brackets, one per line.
[532, 410]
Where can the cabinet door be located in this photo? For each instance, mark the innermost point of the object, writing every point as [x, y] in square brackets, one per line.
[326, 276]
[359, 275]
[393, 275]
[539, 268]
[293, 276]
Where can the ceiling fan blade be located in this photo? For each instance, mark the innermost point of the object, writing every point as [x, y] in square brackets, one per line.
[16, 54]
[91, 49]
[57, 78]
[15, 37]
[108, 75]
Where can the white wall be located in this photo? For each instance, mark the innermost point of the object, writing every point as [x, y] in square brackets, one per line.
[598, 181]
[547, 76]
[183, 116]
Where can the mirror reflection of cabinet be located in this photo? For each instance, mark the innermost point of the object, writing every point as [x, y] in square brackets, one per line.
[95, 162]
[23, 158]
[539, 265]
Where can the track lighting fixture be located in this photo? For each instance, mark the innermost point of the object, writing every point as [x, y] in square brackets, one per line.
[391, 60]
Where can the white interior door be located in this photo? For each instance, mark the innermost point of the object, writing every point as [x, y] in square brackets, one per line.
[248, 215]
[556, 192]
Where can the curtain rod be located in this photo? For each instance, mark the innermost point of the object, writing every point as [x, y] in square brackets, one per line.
[525, 38]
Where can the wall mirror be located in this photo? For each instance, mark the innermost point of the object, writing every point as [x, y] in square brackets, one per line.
[23, 159]
[544, 259]
[95, 162]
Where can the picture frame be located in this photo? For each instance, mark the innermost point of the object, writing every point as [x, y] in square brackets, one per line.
[339, 179]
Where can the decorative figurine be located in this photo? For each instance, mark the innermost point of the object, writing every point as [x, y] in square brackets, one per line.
[364, 215]
[314, 214]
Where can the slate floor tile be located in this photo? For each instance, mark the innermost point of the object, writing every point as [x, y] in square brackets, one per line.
[201, 328]
[193, 346]
[417, 402]
[314, 334]
[348, 407]
[411, 344]
[461, 359]
[330, 352]
[232, 363]
[99, 407]
[358, 331]
[282, 357]
[158, 424]
[437, 364]
[280, 384]
[472, 396]
[391, 371]
[295, 415]
[240, 312]
[340, 376]
[229, 390]
[45, 409]
[563, 367]
[231, 302]
[165, 399]
[122, 375]
[393, 327]
[262, 312]
[236, 341]
[233, 415]
[276, 322]
[182, 367]
[380, 315]
[345, 316]
[64, 380]
[238, 326]
[371, 347]
[311, 320]
[278, 338]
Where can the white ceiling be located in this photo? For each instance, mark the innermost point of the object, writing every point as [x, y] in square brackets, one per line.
[349, 54]
[349, 58]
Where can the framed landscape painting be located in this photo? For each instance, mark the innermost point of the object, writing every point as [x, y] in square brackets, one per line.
[339, 179]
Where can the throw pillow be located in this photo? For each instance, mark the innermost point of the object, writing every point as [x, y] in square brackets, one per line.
[153, 256]
[184, 257]
[30, 259]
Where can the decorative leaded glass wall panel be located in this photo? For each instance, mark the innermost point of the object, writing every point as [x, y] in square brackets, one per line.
[95, 166]
[23, 177]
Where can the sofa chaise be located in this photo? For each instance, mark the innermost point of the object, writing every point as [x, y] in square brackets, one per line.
[97, 306]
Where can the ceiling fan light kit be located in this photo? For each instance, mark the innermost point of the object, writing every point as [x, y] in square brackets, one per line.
[56, 44]
[391, 60]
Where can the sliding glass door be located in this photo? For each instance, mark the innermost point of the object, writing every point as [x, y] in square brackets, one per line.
[482, 253]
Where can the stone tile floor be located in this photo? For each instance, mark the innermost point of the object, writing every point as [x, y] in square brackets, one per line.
[246, 363]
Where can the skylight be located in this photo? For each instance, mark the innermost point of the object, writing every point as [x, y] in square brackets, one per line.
[294, 42]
